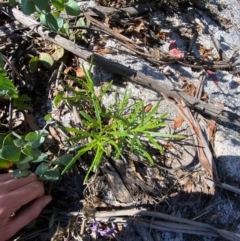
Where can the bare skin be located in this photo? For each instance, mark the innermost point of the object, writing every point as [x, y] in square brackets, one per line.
[14, 193]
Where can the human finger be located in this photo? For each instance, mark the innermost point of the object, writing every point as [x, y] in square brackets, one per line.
[13, 184]
[25, 217]
[23, 195]
[5, 177]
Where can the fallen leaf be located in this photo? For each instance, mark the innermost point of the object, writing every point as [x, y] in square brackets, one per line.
[206, 53]
[58, 53]
[211, 128]
[46, 59]
[147, 108]
[178, 122]
[79, 72]
[174, 50]
[30, 120]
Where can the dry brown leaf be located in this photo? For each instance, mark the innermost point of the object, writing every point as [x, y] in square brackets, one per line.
[30, 120]
[178, 122]
[161, 35]
[132, 166]
[54, 134]
[67, 70]
[148, 107]
[103, 51]
[139, 27]
[206, 53]
[211, 128]
[79, 72]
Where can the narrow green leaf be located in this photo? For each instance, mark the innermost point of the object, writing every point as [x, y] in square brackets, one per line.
[154, 142]
[96, 161]
[149, 116]
[79, 154]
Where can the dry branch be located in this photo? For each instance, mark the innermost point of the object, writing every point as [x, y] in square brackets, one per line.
[134, 76]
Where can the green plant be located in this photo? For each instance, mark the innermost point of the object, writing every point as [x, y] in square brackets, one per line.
[22, 151]
[109, 132]
[7, 88]
[48, 11]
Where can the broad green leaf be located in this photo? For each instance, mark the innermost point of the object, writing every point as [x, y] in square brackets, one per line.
[25, 159]
[50, 175]
[28, 7]
[11, 153]
[2, 137]
[11, 2]
[30, 151]
[58, 98]
[60, 22]
[21, 173]
[21, 102]
[49, 21]
[42, 157]
[31, 136]
[72, 8]
[19, 142]
[33, 64]
[46, 59]
[80, 22]
[42, 6]
[58, 53]
[7, 87]
[43, 133]
[38, 142]
[47, 117]
[59, 5]
[8, 140]
[64, 160]
[5, 164]
[23, 166]
[42, 168]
